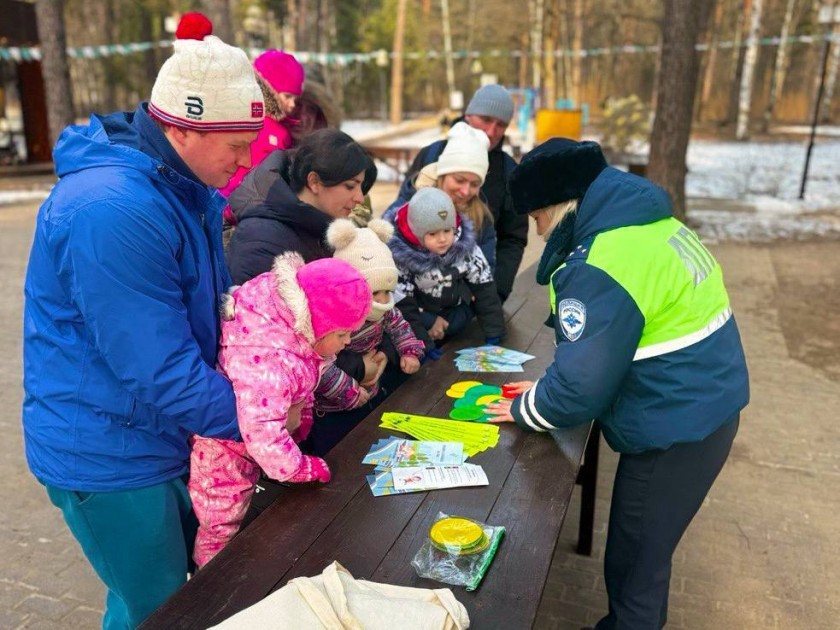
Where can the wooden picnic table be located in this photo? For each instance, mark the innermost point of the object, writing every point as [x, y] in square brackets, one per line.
[532, 477]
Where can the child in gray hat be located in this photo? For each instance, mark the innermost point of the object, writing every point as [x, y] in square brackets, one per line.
[444, 278]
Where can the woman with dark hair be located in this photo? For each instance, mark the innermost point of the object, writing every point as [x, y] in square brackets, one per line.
[289, 200]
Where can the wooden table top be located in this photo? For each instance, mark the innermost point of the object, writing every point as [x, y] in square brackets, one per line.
[375, 538]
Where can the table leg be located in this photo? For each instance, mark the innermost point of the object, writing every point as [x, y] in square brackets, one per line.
[588, 479]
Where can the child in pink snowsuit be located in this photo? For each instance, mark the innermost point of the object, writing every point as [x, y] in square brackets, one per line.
[277, 331]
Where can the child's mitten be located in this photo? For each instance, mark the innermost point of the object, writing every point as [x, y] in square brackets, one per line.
[312, 469]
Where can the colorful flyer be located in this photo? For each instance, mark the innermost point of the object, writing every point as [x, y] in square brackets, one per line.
[420, 478]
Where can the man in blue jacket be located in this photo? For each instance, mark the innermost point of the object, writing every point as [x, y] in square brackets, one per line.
[120, 319]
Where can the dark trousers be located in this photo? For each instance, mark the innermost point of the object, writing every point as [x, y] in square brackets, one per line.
[655, 496]
[457, 316]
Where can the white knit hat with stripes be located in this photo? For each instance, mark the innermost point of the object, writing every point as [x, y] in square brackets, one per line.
[207, 85]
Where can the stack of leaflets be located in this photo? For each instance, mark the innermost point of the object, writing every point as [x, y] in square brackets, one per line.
[473, 437]
[416, 466]
[491, 359]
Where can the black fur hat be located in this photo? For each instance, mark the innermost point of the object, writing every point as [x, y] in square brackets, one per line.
[558, 170]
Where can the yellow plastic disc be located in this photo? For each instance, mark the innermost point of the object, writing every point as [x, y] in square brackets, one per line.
[454, 393]
[480, 546]
[463, 386]
[486, 400]
[456, 532]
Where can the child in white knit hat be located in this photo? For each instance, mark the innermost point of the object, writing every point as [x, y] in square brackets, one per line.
[366, 250]
[444, 277]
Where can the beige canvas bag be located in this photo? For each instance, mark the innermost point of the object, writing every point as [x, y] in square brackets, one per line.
[335, 600]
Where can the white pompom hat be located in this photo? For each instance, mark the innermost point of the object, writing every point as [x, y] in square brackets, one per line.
[206, 85]
[366, 249]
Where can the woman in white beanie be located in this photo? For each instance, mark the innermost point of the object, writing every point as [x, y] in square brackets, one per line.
[459, 172]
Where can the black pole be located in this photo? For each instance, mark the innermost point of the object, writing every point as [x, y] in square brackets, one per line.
[826, 46]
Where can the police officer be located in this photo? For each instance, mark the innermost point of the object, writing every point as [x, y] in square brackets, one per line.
[646, 344]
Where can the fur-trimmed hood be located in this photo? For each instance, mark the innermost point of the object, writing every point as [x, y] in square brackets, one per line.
[271, 310]
[421, 260]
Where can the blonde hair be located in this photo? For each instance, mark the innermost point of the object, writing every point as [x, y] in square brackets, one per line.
[557, 213]
[476, 211]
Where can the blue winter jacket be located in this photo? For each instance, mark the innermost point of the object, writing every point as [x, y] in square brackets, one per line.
[645, 397]
[121, 312]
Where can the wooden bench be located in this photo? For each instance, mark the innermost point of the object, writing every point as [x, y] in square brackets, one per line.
[532, 477]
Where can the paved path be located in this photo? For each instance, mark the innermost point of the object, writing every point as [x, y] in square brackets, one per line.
[762, 553]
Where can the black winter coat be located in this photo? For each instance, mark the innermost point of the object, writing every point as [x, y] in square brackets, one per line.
[271, 220]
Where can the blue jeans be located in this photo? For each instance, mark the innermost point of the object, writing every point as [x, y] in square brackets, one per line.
[139, 542]
[655, 496]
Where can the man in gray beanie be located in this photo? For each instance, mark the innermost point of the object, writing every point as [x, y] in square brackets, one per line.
[490, 110]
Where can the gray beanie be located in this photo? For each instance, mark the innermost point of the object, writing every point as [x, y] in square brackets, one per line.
[430, 210]
[491, 100]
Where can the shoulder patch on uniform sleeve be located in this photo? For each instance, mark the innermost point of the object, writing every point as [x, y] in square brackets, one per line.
[572, 316]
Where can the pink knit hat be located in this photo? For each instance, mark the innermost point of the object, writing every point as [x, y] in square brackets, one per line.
[281, 71]
[339, 296]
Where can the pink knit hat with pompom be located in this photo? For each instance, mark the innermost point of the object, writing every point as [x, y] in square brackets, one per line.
[281, 71]
[339, 296]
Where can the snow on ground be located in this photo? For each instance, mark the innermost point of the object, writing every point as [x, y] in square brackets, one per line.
[21, 196]
[750, 190]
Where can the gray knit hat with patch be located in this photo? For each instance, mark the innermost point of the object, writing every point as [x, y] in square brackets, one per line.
[491, 100]
[430, 210]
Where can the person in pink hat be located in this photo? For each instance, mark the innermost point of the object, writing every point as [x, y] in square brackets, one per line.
[279, 332]
[281, 77]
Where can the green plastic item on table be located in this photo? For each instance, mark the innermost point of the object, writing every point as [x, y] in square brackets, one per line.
[491, 553]
[468, 414]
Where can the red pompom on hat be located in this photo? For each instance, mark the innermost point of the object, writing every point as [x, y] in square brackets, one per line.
[194, 26]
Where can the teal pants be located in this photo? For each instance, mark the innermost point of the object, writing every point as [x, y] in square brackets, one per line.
[139, 542]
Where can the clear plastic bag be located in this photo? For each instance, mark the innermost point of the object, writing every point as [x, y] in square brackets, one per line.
[458, 550]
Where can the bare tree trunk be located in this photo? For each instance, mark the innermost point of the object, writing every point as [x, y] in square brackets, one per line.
[711, 59]
[777, 79]
[549, 59]
[566, 59]
[682, 23]
[831, 81]
[50, 17]
[397, 65]
[523, 61]
[736, 68]
[219, 13]
[536, 9]
[577, 47]
[447, 49]
[742, 131]
[290, 27]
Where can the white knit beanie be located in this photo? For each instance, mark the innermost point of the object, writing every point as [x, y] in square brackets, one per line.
[465, 152]
[366, 249]
[206, 85]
